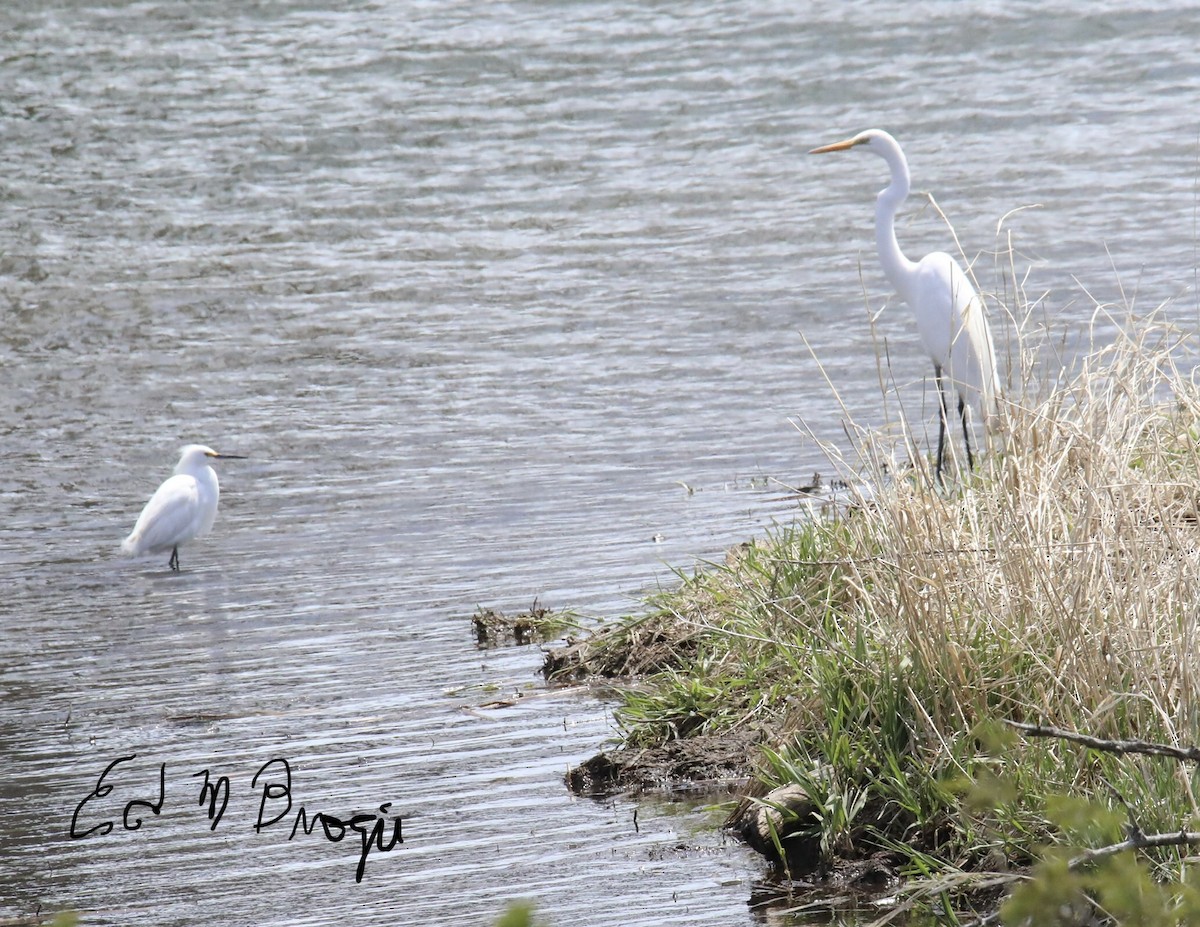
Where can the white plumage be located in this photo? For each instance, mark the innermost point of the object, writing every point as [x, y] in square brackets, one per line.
[949, 313]
[181, 509]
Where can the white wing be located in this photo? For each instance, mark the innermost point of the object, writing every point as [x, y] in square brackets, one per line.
[172, 515]
[954, 330]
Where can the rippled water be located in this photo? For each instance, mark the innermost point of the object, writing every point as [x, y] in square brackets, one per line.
[504, 301]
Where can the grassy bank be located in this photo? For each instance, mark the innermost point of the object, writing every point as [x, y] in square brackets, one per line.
[874, 655]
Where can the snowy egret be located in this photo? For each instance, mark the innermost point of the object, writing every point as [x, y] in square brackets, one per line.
[950, 315]
[181, 509]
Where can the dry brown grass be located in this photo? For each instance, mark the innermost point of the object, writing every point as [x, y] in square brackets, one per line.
[1073, 556]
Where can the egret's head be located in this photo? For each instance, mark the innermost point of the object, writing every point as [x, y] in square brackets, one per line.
[875, 140]
[198, 454]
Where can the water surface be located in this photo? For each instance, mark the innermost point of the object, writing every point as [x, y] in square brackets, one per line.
[505, 302]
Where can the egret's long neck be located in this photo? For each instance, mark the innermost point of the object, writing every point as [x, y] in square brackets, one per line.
[897, 267]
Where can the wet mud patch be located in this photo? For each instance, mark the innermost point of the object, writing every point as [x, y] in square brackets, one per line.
[616, 656]
[537, 624]
[703, 763]
[778, 825]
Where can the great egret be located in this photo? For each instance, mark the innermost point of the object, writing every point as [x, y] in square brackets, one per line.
[950, 314]
[181, 509]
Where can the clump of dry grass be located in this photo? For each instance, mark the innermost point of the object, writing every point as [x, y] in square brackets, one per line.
[1072, 559]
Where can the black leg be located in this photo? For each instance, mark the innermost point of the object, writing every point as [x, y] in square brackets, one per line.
[962, 413]
[941, 451]
[173, 563]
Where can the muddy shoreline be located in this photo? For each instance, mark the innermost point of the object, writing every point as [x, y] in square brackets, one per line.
[717, 766]
[720, 767]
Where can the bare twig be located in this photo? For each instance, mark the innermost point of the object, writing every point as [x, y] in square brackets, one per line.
[1138, 841]
[1183, 754]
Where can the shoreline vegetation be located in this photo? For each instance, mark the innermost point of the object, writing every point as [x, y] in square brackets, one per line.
[876, 681]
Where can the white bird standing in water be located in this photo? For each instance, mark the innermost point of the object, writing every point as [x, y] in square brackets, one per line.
[181, 509]
[950, 315]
